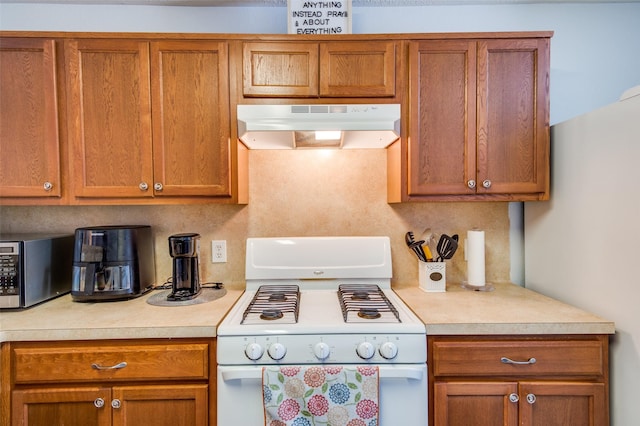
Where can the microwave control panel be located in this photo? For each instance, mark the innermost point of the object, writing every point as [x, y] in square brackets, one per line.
[9, 268]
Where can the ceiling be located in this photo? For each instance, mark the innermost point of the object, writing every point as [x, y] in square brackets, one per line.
[279, 3]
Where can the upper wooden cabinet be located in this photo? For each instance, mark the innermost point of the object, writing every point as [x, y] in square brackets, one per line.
[30, 160]
[191, 127]
[109, 110]
[478, 120]
[152, 119]
[148, 119]
[326, 69]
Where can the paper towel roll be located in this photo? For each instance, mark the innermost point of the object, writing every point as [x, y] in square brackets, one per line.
[475, 258]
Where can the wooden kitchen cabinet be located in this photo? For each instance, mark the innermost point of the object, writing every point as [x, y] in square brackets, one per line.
[148, 120]
[113, 383]
[556, 380]
[478, 120]
[29, 120]
[183, 405]
[319, 69]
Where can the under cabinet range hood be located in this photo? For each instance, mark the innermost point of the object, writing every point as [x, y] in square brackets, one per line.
[318, 126]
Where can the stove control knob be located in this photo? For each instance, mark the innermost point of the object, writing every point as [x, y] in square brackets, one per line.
[388, 350]
[365, 350]
[321, 350]
[277, 351]
[253, 351]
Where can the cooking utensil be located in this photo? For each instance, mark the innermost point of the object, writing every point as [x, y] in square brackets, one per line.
[427, 252]
[446, 248]
[408, 238]
[429, 238]
[416, 246]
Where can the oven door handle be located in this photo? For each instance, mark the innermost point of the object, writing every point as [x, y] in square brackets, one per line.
[386, 372]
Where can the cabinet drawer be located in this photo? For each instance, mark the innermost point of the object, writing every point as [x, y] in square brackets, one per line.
[88, 363]
[485, 358]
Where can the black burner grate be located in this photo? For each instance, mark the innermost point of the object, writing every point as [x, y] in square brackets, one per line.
[364, 302]
[273, 302]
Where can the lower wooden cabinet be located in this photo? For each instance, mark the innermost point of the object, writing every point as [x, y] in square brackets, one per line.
[61, 406]
[179, 405]
[117, 383]
[518, 380]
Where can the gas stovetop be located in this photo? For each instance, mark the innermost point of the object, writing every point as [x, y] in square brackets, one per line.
[346, 314]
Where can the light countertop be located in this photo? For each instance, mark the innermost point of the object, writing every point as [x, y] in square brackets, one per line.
[63, 319]
[508, 309]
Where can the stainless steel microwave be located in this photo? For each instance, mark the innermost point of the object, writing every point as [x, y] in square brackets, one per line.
[34, 268]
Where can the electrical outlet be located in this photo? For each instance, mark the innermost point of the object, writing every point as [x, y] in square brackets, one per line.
[218, 251]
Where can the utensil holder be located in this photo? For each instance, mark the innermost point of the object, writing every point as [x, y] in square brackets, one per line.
[432, 276]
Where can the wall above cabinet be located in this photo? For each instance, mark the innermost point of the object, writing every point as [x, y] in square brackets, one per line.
[283, 3]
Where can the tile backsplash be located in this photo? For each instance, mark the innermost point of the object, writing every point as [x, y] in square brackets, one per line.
[295, 193]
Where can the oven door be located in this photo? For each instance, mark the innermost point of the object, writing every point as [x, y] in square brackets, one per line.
[402, 395]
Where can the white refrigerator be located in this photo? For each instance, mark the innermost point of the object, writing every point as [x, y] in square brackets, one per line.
[583, 246]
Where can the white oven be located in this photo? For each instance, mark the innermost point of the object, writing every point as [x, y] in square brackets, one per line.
[321, 302]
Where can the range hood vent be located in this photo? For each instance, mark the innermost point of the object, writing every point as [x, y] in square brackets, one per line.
[297, 126]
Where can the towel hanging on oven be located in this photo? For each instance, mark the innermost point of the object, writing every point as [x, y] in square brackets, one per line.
[330, 394]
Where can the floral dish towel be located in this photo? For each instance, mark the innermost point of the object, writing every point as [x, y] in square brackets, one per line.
[320, 395]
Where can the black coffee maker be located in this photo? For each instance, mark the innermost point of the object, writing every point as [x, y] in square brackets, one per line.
[184, 248]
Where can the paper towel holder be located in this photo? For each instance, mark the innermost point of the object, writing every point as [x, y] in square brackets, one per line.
[485, 287]
[476, 236]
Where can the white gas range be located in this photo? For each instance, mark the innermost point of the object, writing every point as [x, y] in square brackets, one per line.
[321, 301]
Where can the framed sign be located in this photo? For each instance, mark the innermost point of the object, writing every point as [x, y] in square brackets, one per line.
[319, 17]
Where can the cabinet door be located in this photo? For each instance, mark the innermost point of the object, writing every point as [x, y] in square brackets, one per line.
[280, 69]
[109, 117]
[87, 406]
[513, 121]
[179, 405]
[475, 403]
[358, 69]
[442, 132]
[191, 128]
[30, 146]
[563, 403]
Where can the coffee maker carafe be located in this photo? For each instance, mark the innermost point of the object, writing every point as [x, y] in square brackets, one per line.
[185, 283]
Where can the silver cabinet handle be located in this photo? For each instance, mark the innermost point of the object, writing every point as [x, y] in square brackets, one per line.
[111, 367]
[514, 397]
[506, 360]
[486, 183]
[531, 398]
[143, 186]
[116, 403]
[99, 402]
[157, 186]
[48, 186]
[471, 183]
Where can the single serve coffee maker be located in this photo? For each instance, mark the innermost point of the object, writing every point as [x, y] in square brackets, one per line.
[185, 283]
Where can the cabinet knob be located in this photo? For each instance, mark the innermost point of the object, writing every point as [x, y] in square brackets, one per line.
[99, 402]
[48, 186]
[116, 403]
[531, 398]
[514, 397]
[143, 186]
[471, 183]
[157, 186]
[486, 183]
